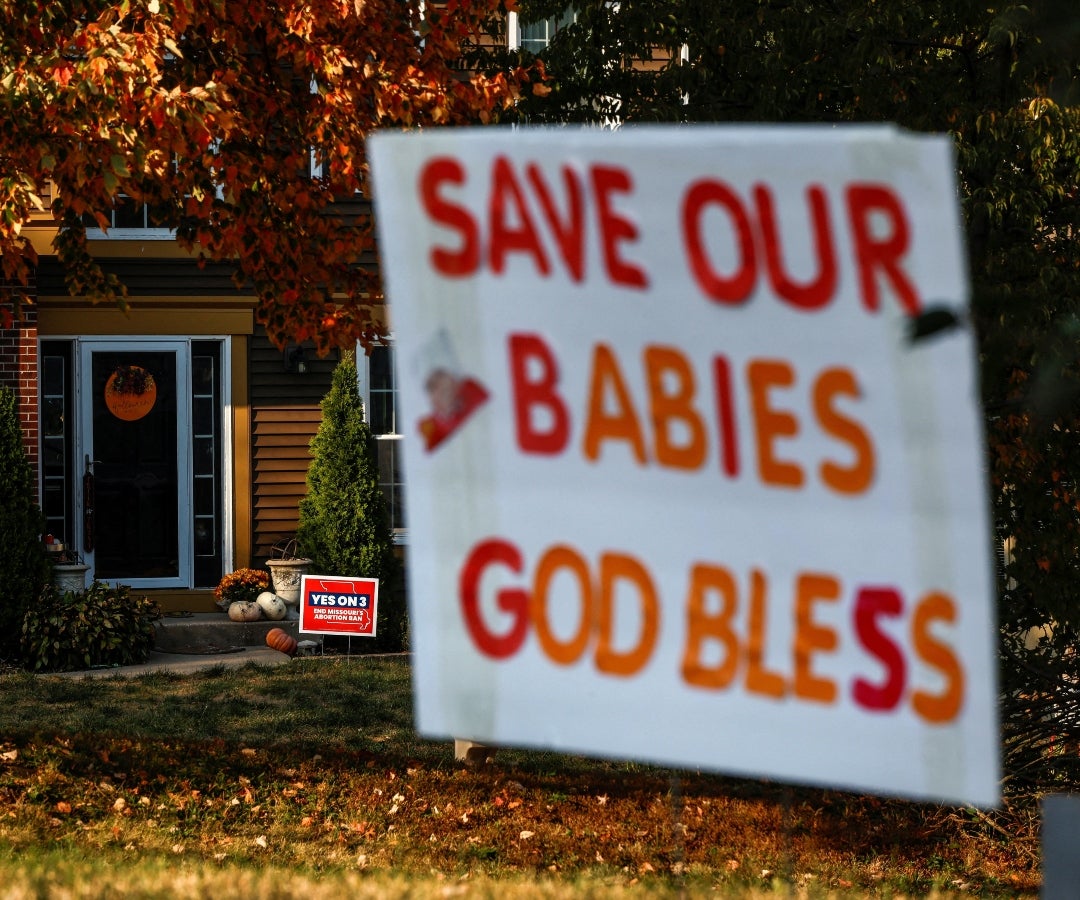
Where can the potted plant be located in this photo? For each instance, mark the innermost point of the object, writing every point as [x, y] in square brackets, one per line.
[286, 570]
[68, 569]
[237, 593]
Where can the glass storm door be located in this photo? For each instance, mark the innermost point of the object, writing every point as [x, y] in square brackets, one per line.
[135, 462]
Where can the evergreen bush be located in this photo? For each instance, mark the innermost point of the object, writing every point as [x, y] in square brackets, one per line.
[24, 568]
[344, 523]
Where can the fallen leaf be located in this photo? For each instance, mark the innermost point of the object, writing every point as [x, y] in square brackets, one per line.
[119, 804]
[9, 755]
[63, 806]
[525, 835]
[260, 841]
[248, 751]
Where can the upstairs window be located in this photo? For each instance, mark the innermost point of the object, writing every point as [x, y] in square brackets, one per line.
[535, 36]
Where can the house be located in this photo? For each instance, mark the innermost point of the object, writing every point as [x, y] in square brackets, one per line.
[170, 443]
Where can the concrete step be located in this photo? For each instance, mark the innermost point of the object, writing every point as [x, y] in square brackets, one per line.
[215, 633]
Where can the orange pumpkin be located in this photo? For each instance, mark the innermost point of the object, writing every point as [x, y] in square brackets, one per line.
[277, 639]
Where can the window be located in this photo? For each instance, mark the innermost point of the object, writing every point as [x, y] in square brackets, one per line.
[378, 389]
[130, 219]
[206, 434]
[535, 36]
[56, 438]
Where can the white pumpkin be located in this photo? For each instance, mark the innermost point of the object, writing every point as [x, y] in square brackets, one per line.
[272, 606]
[245, 611]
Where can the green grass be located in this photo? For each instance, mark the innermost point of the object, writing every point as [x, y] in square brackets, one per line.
[309, 780]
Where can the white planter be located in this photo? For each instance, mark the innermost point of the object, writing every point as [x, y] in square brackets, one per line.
[286, 575]
[70, 577]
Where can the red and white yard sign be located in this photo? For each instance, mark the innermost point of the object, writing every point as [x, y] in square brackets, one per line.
[680, 488]
[331, 604]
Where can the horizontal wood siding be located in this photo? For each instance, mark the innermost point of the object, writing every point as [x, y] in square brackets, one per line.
[285, 415]
[274, 385]
[280, 439]
[154, 277]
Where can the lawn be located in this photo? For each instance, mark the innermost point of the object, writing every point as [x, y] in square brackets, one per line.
[309, 780]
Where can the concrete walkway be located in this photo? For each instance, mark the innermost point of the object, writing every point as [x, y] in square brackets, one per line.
[191, 643]
[186, 663]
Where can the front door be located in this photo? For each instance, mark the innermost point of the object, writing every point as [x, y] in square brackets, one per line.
[136, 462]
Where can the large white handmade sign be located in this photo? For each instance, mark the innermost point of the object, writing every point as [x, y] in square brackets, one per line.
[680, 486]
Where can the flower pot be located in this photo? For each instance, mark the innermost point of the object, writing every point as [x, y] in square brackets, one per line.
[70, 577]
[285, 575]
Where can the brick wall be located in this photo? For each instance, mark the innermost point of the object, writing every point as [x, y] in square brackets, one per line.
[19, 371]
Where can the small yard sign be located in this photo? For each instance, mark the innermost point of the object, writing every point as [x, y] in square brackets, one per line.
[332, 605]
[681, 485]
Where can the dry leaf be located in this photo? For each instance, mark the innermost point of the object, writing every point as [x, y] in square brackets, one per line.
[63, 806]
[260, 841]
[9, 755]
[525, 835]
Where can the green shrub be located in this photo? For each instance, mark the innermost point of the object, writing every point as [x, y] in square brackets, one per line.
[344, 526]
[100, 626]
[23, 566]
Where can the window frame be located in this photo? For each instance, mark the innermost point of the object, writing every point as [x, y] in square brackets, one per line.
[367, 390]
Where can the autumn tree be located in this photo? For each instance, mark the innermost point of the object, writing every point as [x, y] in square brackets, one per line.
[1002, 79]
[210, 113]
